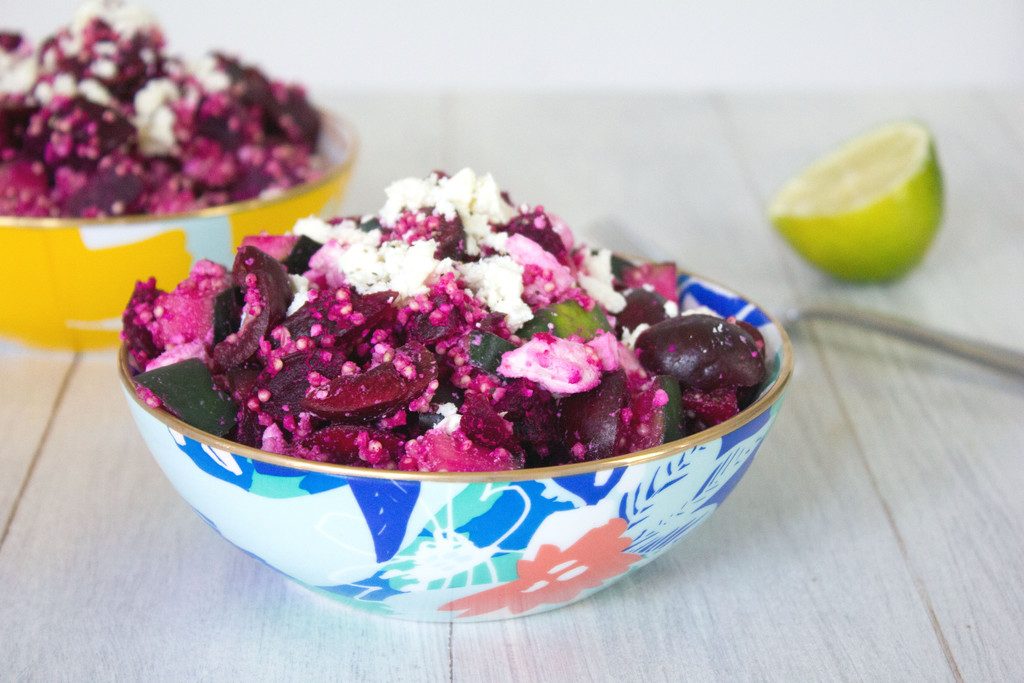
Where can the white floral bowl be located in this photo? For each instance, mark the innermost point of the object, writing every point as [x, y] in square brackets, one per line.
[468, 546]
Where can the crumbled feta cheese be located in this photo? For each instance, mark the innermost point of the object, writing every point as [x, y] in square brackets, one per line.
[154, 117]
[300, 293]
[407, 269]
[125, 18]
[596, 279]
[346, 232]
[104, 68]
[629, 336]
[561, 366]
[450, 418]
[211, 76]
[17, 73]
[498, 282]
[476, 200]
[498, 241]
[94, 92]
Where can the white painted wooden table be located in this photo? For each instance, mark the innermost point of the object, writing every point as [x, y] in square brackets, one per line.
[879, 534]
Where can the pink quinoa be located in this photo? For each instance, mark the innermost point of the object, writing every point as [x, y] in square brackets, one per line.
[451, 331]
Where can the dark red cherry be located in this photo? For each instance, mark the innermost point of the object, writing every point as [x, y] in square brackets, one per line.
[702, 352]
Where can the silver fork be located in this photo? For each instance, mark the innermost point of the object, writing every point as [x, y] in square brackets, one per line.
[985, 353]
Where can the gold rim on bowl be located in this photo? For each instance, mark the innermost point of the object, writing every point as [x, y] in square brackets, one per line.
[337, 132]
[755, 409]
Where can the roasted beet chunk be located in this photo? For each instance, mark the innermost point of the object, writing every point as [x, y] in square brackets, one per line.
[134, 331]
[379, 390]
[482, 423]
[590, 421]
[268, 292]
[109, 192]
[537, 226]
[702, 352]
[82, 132]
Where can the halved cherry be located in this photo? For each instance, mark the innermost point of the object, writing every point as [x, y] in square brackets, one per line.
[590, 421]
[377, 391]
[274, 292]
[703, 352]
[351, 445]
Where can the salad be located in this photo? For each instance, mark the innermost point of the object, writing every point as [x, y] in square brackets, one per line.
[450, 331]
[100, 120]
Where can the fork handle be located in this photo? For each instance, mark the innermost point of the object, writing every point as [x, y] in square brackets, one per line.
[992, 355]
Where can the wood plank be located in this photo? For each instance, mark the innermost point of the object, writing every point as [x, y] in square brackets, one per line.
[117, 578]
[800, 575]
[941, 439]
[32, 383]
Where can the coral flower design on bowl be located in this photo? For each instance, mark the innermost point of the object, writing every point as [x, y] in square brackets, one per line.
[555, 575]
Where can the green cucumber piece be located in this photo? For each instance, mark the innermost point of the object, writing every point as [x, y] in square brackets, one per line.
[486, 350]
[566, 319]
[227, 313]
[297, 262]
[671, 412]
[369, 224]
[186, 389]
[620, 266]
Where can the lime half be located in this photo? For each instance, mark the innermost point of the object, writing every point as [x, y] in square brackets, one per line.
[869, 210]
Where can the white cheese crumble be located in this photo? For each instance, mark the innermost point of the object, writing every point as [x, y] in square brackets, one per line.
[17, 73]
[476, 200]
[407, 269]
[597, 280]
[300, 293]
[210, 75]
[125, 18]
[450, 418]
[104, 68]
[154, 117]
[497, 281]
[63, 85]
[345, 233]
[95, 92]
[629, 336]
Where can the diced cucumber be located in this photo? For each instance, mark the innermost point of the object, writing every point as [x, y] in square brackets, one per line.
[486, 350]
[566, 319]
[227, 313]
[297, 262]
[369, 224]
[620, 266]
[186, 389]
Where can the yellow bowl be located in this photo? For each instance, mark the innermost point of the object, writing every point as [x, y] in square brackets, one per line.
[65, 281]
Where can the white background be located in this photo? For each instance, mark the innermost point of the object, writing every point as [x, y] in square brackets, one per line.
[728, 44]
